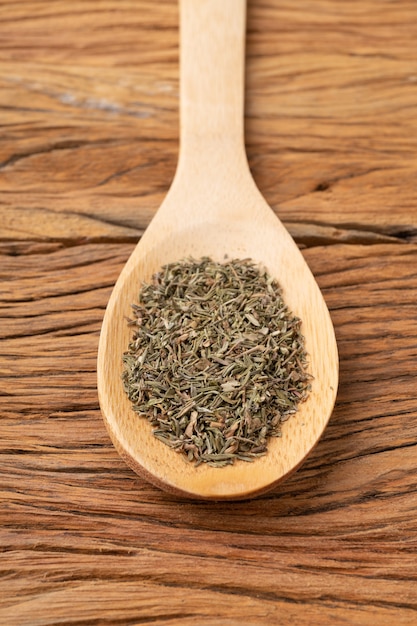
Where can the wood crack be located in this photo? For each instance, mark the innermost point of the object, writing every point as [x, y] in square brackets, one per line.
[67, 144]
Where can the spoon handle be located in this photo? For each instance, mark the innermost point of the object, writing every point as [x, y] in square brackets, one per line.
[212, 61]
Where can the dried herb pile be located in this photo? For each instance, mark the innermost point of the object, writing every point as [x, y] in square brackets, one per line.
[216, 361]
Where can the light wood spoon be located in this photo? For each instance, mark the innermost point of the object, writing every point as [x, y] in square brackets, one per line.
[214, 208]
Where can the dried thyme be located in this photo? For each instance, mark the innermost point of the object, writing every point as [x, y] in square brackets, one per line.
[216, 361]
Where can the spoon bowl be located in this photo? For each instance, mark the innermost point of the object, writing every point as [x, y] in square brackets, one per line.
[214, 209]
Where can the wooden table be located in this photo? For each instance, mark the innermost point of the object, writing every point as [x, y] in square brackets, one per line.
[89, 142]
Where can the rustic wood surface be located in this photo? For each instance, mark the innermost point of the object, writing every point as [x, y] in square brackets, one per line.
[89, 141]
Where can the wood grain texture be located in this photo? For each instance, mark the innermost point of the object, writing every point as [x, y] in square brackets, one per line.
[89, 142]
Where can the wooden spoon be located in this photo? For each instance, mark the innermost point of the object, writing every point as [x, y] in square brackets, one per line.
[214, 208]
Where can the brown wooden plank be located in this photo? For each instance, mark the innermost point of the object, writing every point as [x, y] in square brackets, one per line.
[339, 537]
[89, 140]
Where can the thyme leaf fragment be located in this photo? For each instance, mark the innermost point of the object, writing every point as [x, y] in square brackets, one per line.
[216, 361]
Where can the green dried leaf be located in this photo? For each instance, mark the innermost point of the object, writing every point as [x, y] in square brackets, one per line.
[216, 361]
